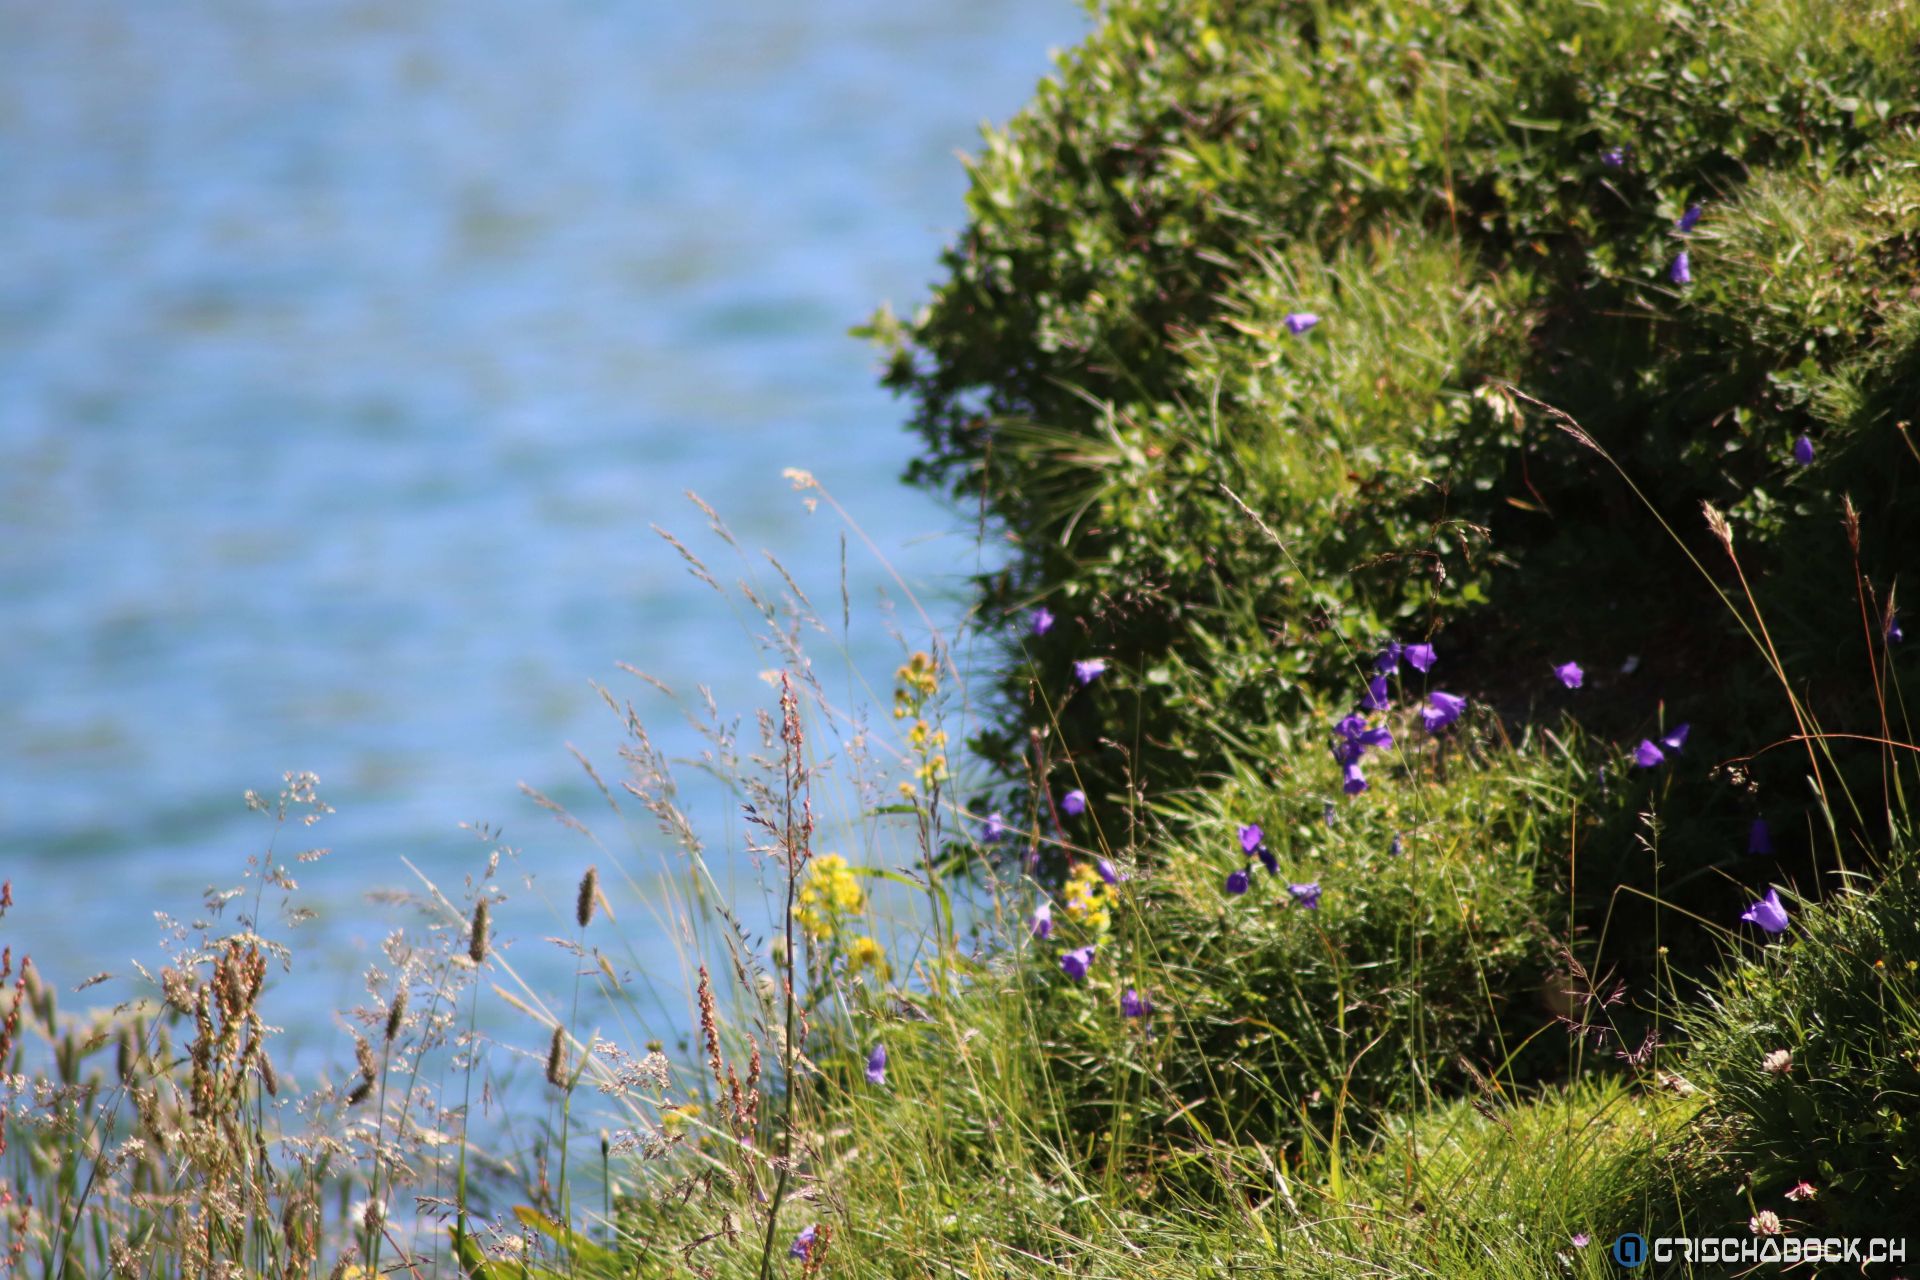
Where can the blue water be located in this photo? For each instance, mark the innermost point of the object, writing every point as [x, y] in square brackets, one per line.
[347, 353]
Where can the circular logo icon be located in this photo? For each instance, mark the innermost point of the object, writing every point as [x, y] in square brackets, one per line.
[1629, 1250]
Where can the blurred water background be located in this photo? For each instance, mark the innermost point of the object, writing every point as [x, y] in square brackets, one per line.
[347, 353]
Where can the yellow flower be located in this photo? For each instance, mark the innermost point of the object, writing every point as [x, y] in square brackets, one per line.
[1087, 897]
[673, 1117]
[829, 892]
[864, 954]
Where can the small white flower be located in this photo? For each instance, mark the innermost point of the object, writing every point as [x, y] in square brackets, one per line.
[1764, 1223]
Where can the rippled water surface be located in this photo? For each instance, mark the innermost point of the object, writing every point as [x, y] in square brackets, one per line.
[347, 353]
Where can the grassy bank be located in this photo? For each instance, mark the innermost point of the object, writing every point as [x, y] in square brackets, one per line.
[1426, 791]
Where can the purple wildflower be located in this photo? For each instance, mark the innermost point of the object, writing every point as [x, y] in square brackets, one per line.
[1087, 670]
[1251, 837]
[1803, 451]
[1040, 923]
[1681, 272]
[1614, 157]
[877, 1065]
[1442, 709]
[1298, 322]
[1570, 674]
[1393, 850]
[1767, 913]
[1678, 738]
[1238, 881]
[1326, 812]
[1760, 837]
[1376, 699]
[1894, 634]
[1074, 803]
[1267, 860]
[1076, 963]
[1108, 872]
[1646, 755]
[1042, 620]
[1307, 895]
[994, 829]
[1688, 220]
[1581, 1239]
[1355, 782]
[1421, 657]
[1132, 1005]
[1389, 659]
[803, 1243]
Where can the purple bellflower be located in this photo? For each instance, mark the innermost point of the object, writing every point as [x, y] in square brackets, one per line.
[1681, 272]
[1894, 634]
[1389, 659]
[1688, 220]
[1354, 782]
[1768, 913]
[1678, 737]
[1803, 451]
[1133, 1005]
[877, 1065]
[803, 1243]
[1421, 657]
[994, 829]
[1076, 963]
[1614, 157]
[1087, 670]
[1298, 322]
[1041, 620]
[1377, 698]
[1307, 895]
[1570, 674]
[1108, 872]
[1074, 803]
[1646, 755]
[1237, 882]
[1040, 923]
[1442, 709]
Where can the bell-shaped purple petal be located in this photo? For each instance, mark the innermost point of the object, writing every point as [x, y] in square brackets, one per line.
[1074, 803]
[803, 1243]
[1570, 674]
[994, 829]
[1238, 881]
[1421, 657]
[1307, 895]
[1646, 755]
[1803, 451]
[1075, 963]
[1613, 157]
[1389, 659]
[1298, 322]
[1681, 272]
[1760, 837]
[1087, 670]
[1442, 709]
[1688, 220]
[1251, 837]
[1041, 620]
[1768, 913]
[1894, 634]
[1354, 782]
[1134, 1005]
[1377, 698]
[1678, 737]
[1040, 923]
[1267, 860]
[1393, 850]
[1108, 872]
[877, 1065]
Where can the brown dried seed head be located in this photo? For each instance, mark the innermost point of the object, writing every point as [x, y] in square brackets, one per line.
[1718, 526]
[477, 934]
[1850, 520]
[589, 890]
[363, 1056]
[396, 1012]
[557, 1059]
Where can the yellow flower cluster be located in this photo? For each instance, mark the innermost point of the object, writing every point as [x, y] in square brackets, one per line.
[829, 893]
[914, 683]
[1087, 897]
[930, 749]
[864, 954]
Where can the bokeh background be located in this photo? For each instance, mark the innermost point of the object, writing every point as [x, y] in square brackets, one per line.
[349, 350]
